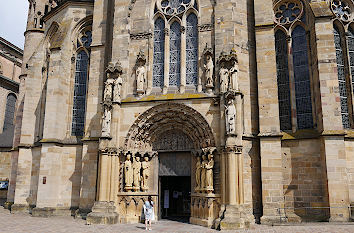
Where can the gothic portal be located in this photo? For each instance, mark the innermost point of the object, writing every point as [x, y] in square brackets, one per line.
[227, 113]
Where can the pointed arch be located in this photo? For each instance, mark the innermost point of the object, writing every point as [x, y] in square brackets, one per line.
[9, 112]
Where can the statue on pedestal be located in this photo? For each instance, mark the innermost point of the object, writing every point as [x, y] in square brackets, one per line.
[106, 121]
[128, 173]
[234, 76]
[198, 170]
[209, 68]
[108, 89]
[145, 165]
[230, 117]
[118, 82]
[140, 73]
[136, 173]
[114, 82]
[224, 77]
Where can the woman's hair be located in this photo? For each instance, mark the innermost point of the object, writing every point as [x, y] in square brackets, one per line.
[150, 200]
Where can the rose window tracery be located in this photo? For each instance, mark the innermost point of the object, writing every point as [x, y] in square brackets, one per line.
[175, 7]
[288, 11]
[341, 9]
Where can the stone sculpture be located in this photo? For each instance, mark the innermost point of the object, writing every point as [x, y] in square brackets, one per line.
[140, 77]
[209, 71]
[145, 165]
[224, 78]
[128, 173]
[203, 173]
[198, 169]
[106, 122]
[234, 77]
[108, 89]
[209, 166]
[118, 82]
[136, 173]
[230, 116]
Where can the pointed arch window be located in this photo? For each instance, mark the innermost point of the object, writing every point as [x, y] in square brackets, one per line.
[9, 112]
[80, 85]
[344, 68]
[192, 50]
[176, 30]
[293, 67]
[159, 52]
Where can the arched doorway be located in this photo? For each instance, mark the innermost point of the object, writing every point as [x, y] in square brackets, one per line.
[173, 132]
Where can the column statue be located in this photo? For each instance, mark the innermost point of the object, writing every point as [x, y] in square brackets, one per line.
[209, 71]
[108, 89]
[230, 117]
[128, 173]
[140, 77]
[136, 173]
[234, 77]
[203, 174]
[118, 82]
[198, 170]
[224, 78]
[145, 165]
[106, 122]
[209, 166]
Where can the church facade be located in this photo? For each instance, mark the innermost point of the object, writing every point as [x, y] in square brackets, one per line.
[225, 112]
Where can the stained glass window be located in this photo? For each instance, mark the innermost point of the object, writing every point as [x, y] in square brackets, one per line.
[281, 47]
[302, 79]
[350, 41]
[192, 50]
[175, 54]
[80, 86]
[340, 56]
[9, 112]
[159, 53]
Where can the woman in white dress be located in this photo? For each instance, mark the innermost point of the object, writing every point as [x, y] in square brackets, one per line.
[149, 212]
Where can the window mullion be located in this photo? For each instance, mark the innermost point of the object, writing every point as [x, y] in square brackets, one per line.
[292, 85]
[167, 60]
[183, 59]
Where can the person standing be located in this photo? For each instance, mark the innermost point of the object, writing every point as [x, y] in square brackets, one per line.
[149, 212]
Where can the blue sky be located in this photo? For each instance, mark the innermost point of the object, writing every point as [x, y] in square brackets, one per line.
[13, 19]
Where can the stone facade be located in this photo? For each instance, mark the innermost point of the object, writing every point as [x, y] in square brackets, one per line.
[117, 95]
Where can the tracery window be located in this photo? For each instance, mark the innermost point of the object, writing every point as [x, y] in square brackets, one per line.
[81, 79]
[293, 66]
[9, 112]
[344, 44]
[173, 19]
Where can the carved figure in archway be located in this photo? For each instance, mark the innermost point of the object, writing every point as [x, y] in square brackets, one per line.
[136, 173]
[128, 173]
[145, 165]
[224, 77]
[230, 116]
[118, 82]
[209, 166]
[198, 170]
[209, 71]
[203, 173]
[234, 77]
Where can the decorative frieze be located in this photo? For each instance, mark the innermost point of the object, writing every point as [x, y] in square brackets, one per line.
[140, 36]
[205, 27]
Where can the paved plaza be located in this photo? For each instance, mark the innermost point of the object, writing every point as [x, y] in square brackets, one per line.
[25, 223]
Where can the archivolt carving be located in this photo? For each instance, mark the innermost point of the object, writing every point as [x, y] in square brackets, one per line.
[150, 125]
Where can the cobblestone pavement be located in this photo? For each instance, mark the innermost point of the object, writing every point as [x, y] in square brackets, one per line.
[15, 223]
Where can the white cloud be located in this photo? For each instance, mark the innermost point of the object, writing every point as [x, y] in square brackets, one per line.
[13, 20]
